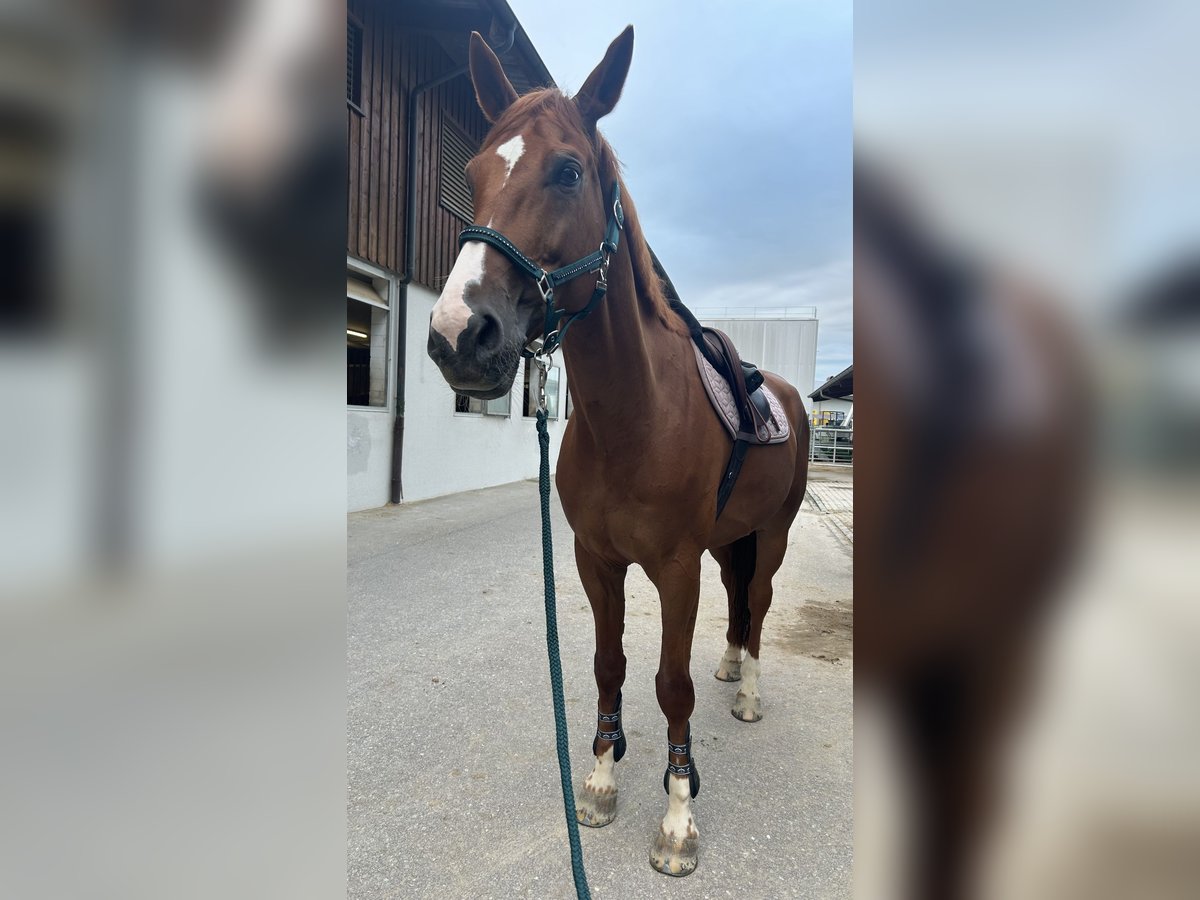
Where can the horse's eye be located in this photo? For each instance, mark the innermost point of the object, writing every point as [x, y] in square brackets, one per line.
[569, 175]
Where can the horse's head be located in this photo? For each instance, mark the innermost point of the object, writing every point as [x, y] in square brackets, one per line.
[537, 179]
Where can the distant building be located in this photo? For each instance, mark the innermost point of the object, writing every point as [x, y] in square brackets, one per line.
[783, 341]
[833, 401]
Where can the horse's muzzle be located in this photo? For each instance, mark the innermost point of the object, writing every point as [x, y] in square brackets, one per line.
[484, 365]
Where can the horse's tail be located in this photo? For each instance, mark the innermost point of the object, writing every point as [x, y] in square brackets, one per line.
[744, 557]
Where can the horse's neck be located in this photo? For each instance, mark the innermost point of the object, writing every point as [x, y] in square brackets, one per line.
[611, 362]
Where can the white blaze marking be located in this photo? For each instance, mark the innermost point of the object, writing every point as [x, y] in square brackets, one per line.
[750, 672]
[510, 151]
[678, 822]
[450, 313]
[603, 777]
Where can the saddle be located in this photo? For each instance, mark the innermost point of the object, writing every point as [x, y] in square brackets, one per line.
[750, 412]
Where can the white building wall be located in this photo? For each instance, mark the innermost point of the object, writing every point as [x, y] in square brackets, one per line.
[446, 452]
[368, 457]
[787, 347]
[369, 429]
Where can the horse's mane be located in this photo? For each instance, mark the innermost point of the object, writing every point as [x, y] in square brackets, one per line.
[555, 104]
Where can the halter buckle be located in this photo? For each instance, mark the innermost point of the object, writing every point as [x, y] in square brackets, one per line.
[544, 286]
[602, 278]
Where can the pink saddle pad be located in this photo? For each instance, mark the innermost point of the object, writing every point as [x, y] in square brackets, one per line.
[775, 431]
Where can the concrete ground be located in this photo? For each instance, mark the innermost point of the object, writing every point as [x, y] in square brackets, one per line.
[453, 780]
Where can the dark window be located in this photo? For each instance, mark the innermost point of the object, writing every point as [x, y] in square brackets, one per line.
[366, 340]
[354, 51]
[465, 404]
[531, 398]
[498, 407]
[454, 194]
[26, 260]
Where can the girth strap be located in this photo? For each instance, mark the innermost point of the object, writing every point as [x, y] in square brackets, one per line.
[732, 469]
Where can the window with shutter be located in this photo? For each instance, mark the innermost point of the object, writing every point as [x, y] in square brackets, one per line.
[354, 49]
[453, 191]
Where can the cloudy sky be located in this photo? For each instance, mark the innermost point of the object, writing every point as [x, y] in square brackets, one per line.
[735, 131]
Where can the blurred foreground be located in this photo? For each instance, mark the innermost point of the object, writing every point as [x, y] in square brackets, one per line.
[1028, 451]
[172, 451]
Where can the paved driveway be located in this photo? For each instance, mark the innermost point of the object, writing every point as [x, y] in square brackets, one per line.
[453, 784]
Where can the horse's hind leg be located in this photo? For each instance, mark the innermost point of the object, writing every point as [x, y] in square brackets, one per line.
[596, 802]
[730, 666]
[771, 547]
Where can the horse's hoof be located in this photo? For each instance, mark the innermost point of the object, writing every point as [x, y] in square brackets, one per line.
[746, 709]
[595, 809]
[672, 856]
[728, 671]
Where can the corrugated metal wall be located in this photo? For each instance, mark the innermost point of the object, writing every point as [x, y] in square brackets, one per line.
[787, 347]
[394, 61]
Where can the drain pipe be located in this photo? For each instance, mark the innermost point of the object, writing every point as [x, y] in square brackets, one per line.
[410, 251]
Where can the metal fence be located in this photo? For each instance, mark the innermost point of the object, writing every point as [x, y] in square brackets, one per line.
[832, 445]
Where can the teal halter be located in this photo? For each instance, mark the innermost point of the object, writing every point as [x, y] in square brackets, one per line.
[554, 328]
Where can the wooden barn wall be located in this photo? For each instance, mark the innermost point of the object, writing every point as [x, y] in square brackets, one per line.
[395, 60]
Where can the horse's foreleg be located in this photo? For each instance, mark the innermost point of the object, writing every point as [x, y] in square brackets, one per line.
[675, 850]
[596, 803]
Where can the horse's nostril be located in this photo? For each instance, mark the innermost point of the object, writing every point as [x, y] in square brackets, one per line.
[489, 336]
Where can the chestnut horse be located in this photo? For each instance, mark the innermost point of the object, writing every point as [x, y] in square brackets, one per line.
[643, 452]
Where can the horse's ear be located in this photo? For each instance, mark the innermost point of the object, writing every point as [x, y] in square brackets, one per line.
[602, 89]
[493, 90]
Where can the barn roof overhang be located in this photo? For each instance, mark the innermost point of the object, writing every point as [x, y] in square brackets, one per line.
[450, 23]
[839, 387]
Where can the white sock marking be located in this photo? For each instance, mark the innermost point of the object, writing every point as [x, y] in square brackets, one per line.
[510, 151]
[451, 313]
[603, 777]
[732, 657]
[750, 672]
[678, 822]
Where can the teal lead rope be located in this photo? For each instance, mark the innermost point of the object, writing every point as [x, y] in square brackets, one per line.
[556, 679]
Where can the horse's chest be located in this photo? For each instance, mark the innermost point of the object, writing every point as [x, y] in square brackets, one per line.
[623, 516]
